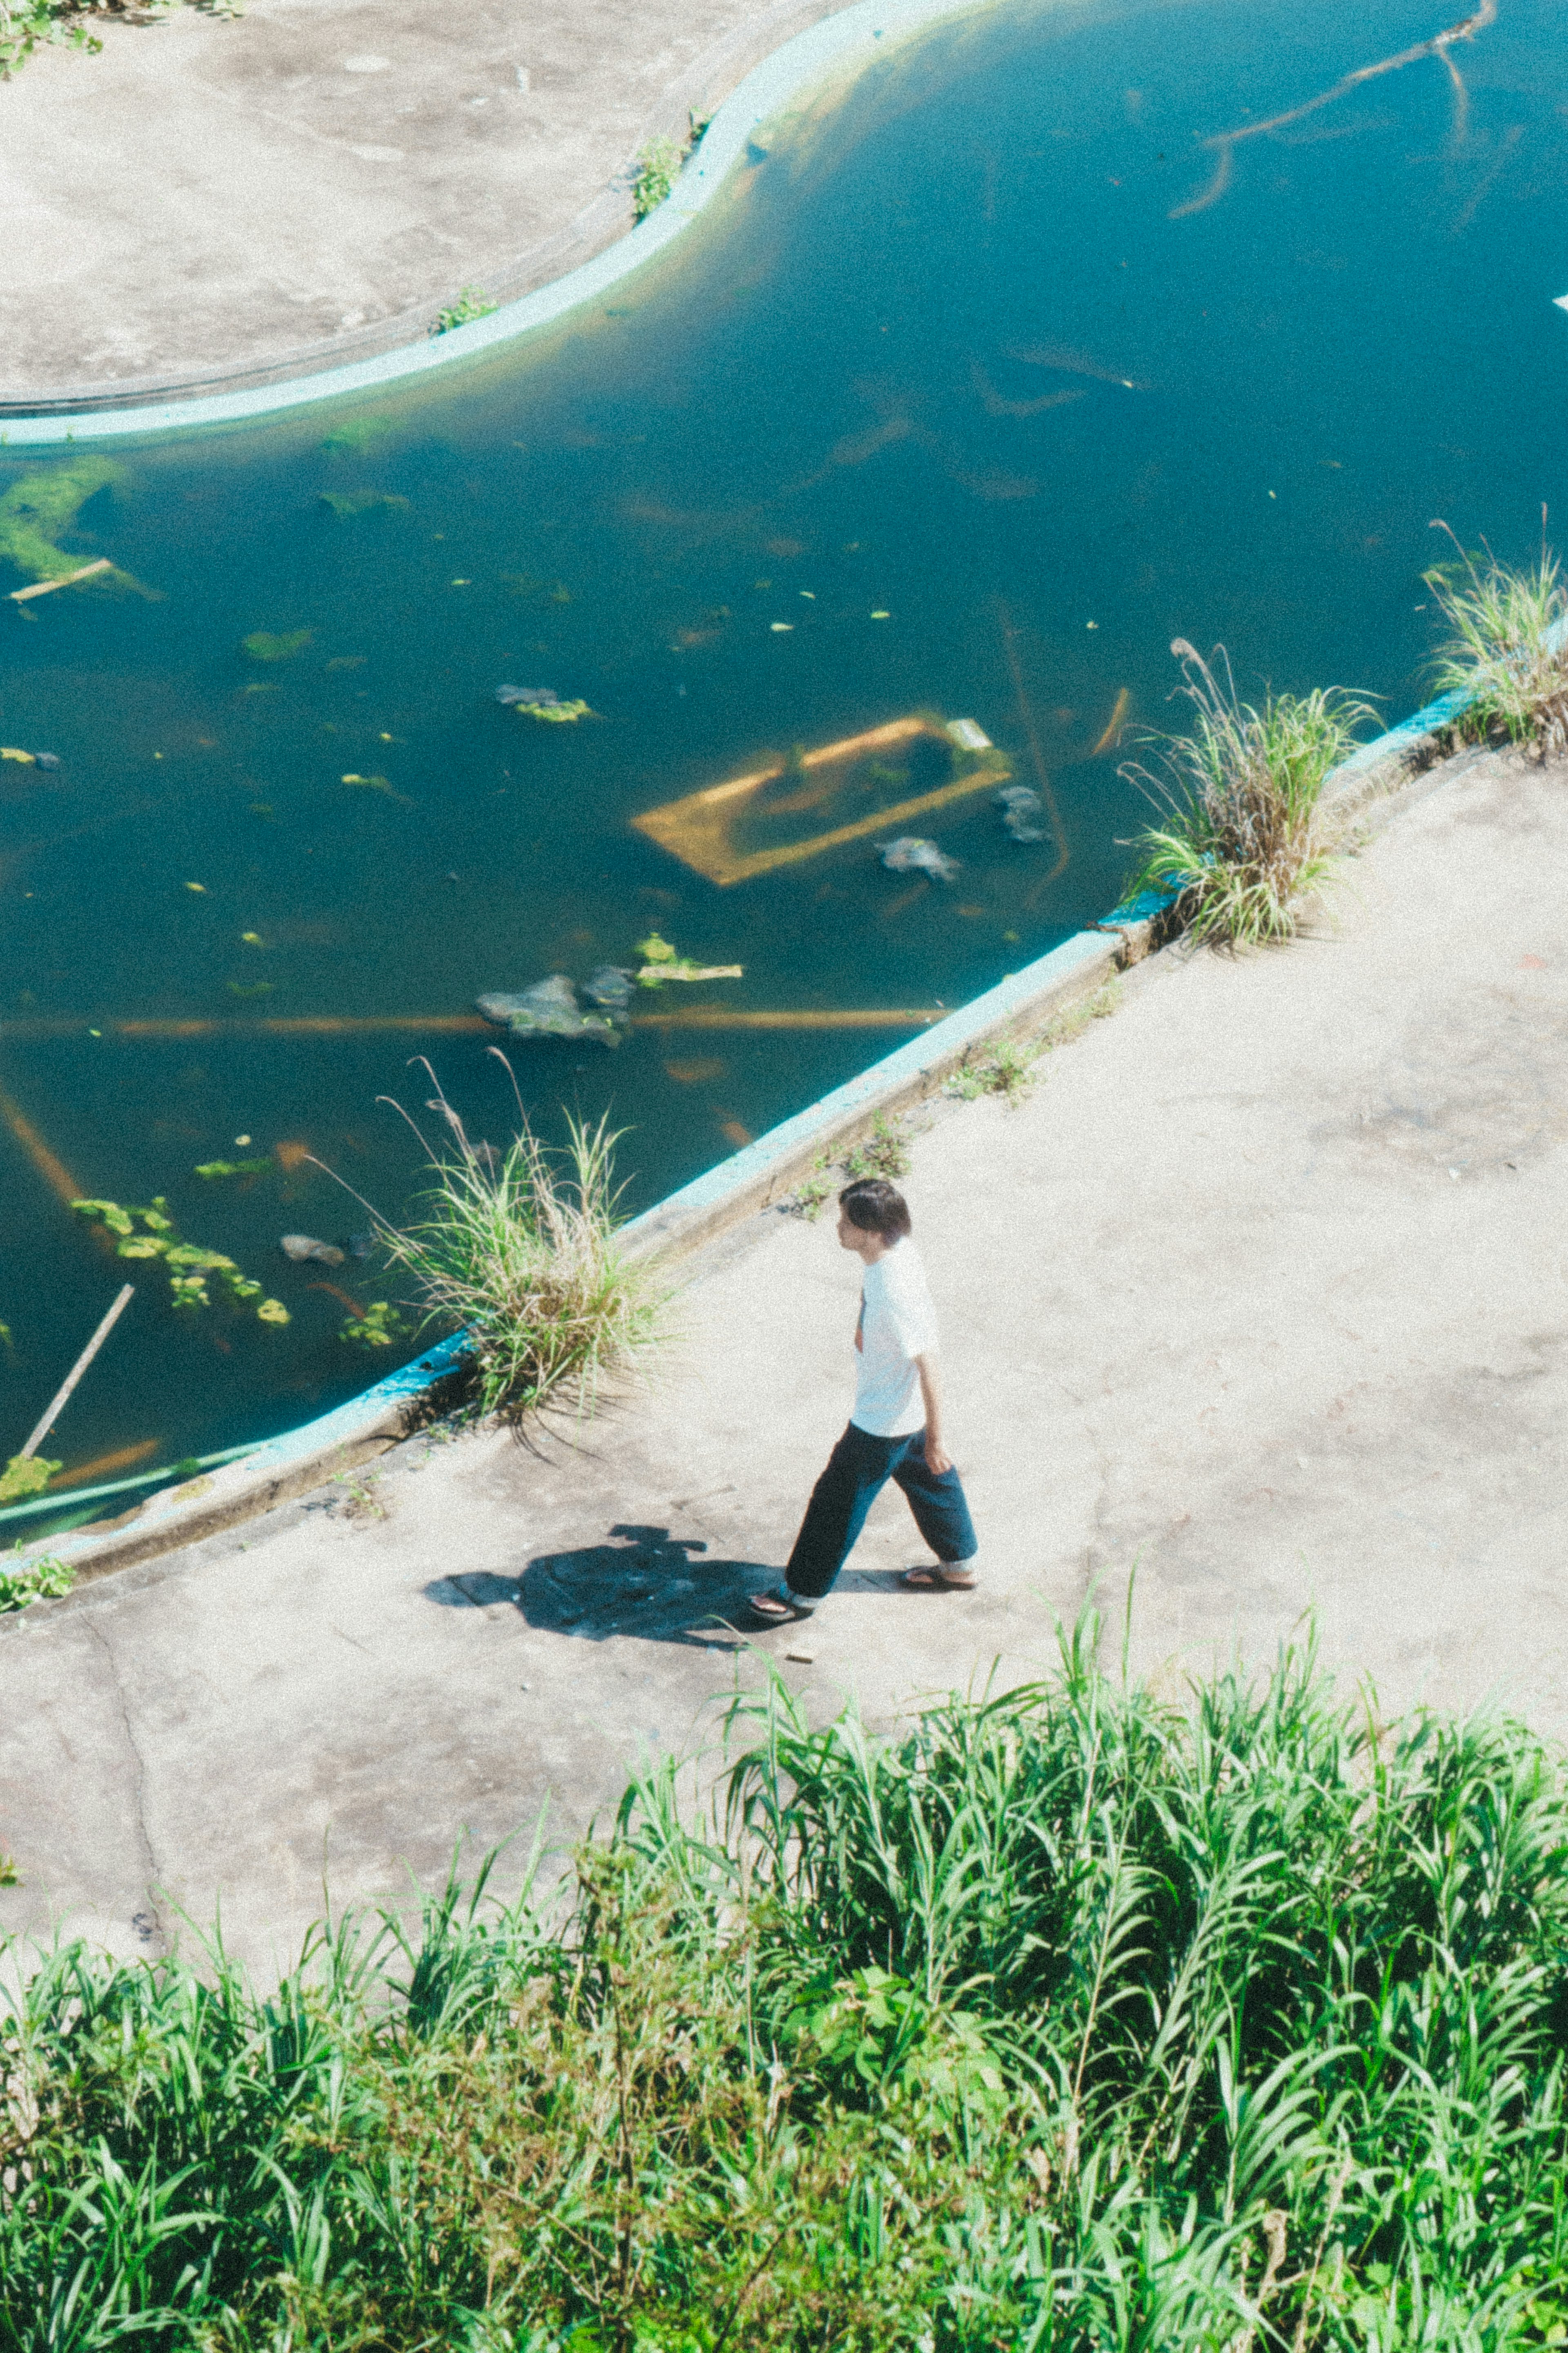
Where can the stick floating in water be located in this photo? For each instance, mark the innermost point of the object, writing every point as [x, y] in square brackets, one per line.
[66, 580]
[56, 1403]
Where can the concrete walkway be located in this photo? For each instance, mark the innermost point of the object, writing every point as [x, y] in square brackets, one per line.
[1266, 1292]
[211, 199]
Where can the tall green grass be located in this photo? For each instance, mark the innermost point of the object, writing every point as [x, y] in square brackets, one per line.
[1242, 836]
[520, 1249]
[1507, 647]
[1066, 2021]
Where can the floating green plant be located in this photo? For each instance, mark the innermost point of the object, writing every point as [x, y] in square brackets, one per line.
[36, 510]
[214, 1169]
[354, 435]
[261, 645]
[660, 963]
[250, 987]
[190, 1268]
[24, 1474]
[357, 502]
[379, 1327]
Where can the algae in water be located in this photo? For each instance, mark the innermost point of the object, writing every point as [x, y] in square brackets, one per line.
[357, 502]
[36, 510]
[261, 645]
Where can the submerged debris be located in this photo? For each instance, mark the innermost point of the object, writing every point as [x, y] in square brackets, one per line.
[303, 1248]
[609, 987]
[540, 702]
[1021, 805]
[360, 1246]
[912, 855]
[357, 502]
[548, 1009]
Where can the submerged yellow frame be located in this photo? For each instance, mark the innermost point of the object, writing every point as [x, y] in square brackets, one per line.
[696, 830]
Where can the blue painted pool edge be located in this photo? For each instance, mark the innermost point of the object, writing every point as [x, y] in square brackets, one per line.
[807, 57]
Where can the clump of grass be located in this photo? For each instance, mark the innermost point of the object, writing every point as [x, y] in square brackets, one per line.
[1507, 647]
[654, 175]
[520, 1251]
[1243, 835]
[44, 1579]
[885, 1152]
[1006, 1070]
[1064, 2020]
[472, 303]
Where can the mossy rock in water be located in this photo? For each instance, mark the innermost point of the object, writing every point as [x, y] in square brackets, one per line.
[35, 511]
[262, 646]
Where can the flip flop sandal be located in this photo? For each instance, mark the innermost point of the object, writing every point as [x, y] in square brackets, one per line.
[781, 1614]
[931, 1580]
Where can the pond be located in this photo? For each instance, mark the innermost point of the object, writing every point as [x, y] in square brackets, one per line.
[982, 381]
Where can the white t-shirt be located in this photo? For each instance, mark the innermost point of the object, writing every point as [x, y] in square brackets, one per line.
[898, 1323]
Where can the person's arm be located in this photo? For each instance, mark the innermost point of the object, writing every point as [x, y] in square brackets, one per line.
[938, 1459]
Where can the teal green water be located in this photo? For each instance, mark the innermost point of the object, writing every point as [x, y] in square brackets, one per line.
[944, 354]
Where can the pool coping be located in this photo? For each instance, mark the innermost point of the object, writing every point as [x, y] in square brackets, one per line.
[760, 1176]
[806, 57]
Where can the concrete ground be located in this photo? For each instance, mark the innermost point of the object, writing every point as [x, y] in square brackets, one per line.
[232, 199]
[1264, 1294]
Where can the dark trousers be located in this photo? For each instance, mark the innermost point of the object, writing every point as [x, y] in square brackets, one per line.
[858, 1468]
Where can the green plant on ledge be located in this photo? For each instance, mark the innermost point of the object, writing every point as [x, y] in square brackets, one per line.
[43, 1579]
[654, 175]
[1507, 647]
[472, 303]
[1243, 835]
[522, 1253]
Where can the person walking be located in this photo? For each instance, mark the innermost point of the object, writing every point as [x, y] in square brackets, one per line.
[895, 1426]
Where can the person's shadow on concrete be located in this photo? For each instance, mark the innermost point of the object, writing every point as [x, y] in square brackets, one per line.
[647, 1584]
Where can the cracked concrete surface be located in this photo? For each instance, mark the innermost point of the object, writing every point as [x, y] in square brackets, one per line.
[1264, 1294]
[213, 198]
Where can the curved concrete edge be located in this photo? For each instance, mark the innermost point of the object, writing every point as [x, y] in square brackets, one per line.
[753, 1179]
[758, 1177]
[851, 38]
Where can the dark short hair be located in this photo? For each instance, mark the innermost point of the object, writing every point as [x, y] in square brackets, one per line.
[877, 1207]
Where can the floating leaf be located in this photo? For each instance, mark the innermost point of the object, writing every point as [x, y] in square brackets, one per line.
[215, 1168]
[261, 645]
[272, 1310]
[356, 503]
[24, 1474]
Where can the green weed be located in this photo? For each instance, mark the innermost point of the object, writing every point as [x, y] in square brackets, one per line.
[42, 1579]
[522, 1253]
[1507, 647]
[884, 1153]
[654, 175]
[1243, 835]
[380, 1326]
[1066, 2021]
[1009, 1068]
[472, 303]
[35, 511]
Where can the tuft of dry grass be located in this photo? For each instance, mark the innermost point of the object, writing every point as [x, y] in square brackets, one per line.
[1243, 836]
[520, 1251]
[1507, 645]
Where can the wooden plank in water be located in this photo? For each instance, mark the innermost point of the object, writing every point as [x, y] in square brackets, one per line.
[689, 1017]
[697, 829]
